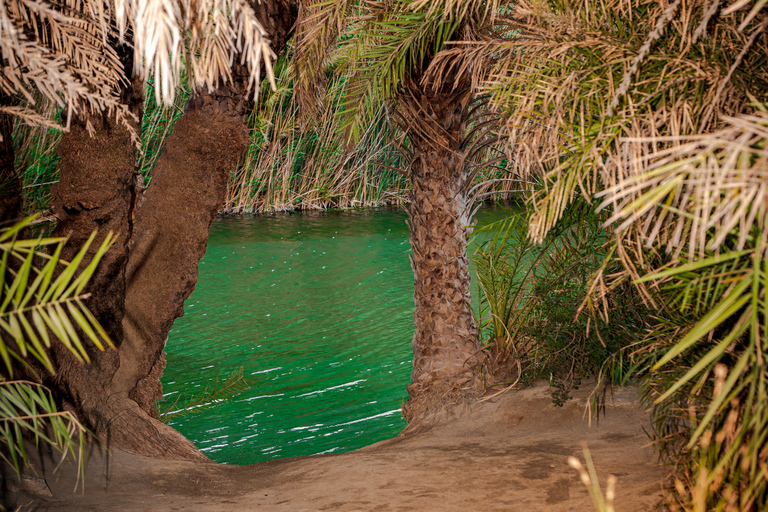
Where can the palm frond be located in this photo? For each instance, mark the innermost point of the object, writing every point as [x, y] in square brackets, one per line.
[318, 26]
[35, 301]
[386, 44]
[658, 111]
[212, 395]
[42, 298]
[28, 409]
[66, 51]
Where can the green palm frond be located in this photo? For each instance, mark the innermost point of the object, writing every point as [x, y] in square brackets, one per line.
[212, 395]
[388, 43]
[35, 301]
[504, 264]
[28, 409]
[318, 27]
[42, 300]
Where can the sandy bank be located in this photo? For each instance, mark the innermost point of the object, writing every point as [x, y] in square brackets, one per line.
[509, 454]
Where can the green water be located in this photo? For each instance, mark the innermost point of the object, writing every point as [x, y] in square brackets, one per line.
[318, 309]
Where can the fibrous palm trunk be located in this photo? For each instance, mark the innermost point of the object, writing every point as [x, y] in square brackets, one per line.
[445, 345]
[140, 287]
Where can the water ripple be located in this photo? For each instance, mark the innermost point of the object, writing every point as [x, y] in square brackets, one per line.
[318, 309]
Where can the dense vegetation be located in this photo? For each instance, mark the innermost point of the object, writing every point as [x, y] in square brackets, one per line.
[655, 115]
[638, 129]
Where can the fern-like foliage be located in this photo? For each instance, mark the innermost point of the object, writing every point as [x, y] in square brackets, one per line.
[42, 301]
[212, 395]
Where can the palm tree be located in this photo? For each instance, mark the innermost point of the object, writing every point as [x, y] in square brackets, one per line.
[163, 230]
[657, 113]
[387, 49]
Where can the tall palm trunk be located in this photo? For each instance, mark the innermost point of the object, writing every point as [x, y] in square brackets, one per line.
[97, 191]
[445, 345]
[140, 287]
[173, 218]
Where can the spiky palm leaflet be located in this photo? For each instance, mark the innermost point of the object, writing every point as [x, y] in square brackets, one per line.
[656, 112]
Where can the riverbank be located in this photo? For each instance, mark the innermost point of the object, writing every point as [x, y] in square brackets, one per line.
[506, 454]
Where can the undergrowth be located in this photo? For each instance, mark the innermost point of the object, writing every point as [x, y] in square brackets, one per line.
[531, 310]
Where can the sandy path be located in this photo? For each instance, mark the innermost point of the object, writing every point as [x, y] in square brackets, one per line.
[509, 455]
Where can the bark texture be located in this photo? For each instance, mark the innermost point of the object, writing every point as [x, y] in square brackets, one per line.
[445, 345]
[95, 193]
[173, 218]
[140, 287]
[277, 17]
[170, 236]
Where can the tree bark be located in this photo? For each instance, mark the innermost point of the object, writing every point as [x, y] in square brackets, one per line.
[172, 222]
[140, 287]
[446, 352]
[171, 231]
[95, 192]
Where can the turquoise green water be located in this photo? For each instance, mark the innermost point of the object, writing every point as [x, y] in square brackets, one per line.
[318, 309]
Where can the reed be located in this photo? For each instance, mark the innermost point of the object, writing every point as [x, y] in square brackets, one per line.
[602, 502]
[36, 158]
[296, 163]
[530, 294]
[293, 163]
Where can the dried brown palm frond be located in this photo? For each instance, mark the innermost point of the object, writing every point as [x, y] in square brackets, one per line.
[561, 77]
[318, 26]
[60, 50]
[451, 10]
[697, 191]
[66, 49]
[201, 37]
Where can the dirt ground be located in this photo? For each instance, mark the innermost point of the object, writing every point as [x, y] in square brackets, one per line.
[507, 454]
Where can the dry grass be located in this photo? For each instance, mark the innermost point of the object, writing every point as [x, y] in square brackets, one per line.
[294, 165]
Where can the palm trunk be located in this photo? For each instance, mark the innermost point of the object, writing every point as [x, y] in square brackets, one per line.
[95, 192]
[140, 287]
[172, 220]
[446, 353]
[188, 187]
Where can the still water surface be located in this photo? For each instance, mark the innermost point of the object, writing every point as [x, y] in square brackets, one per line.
[318, 310]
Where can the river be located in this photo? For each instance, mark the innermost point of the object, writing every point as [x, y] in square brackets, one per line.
[318, 310]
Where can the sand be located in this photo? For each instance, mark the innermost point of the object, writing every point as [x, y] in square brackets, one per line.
[508, 454]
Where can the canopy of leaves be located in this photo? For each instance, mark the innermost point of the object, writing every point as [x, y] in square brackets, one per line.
[66, 50]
